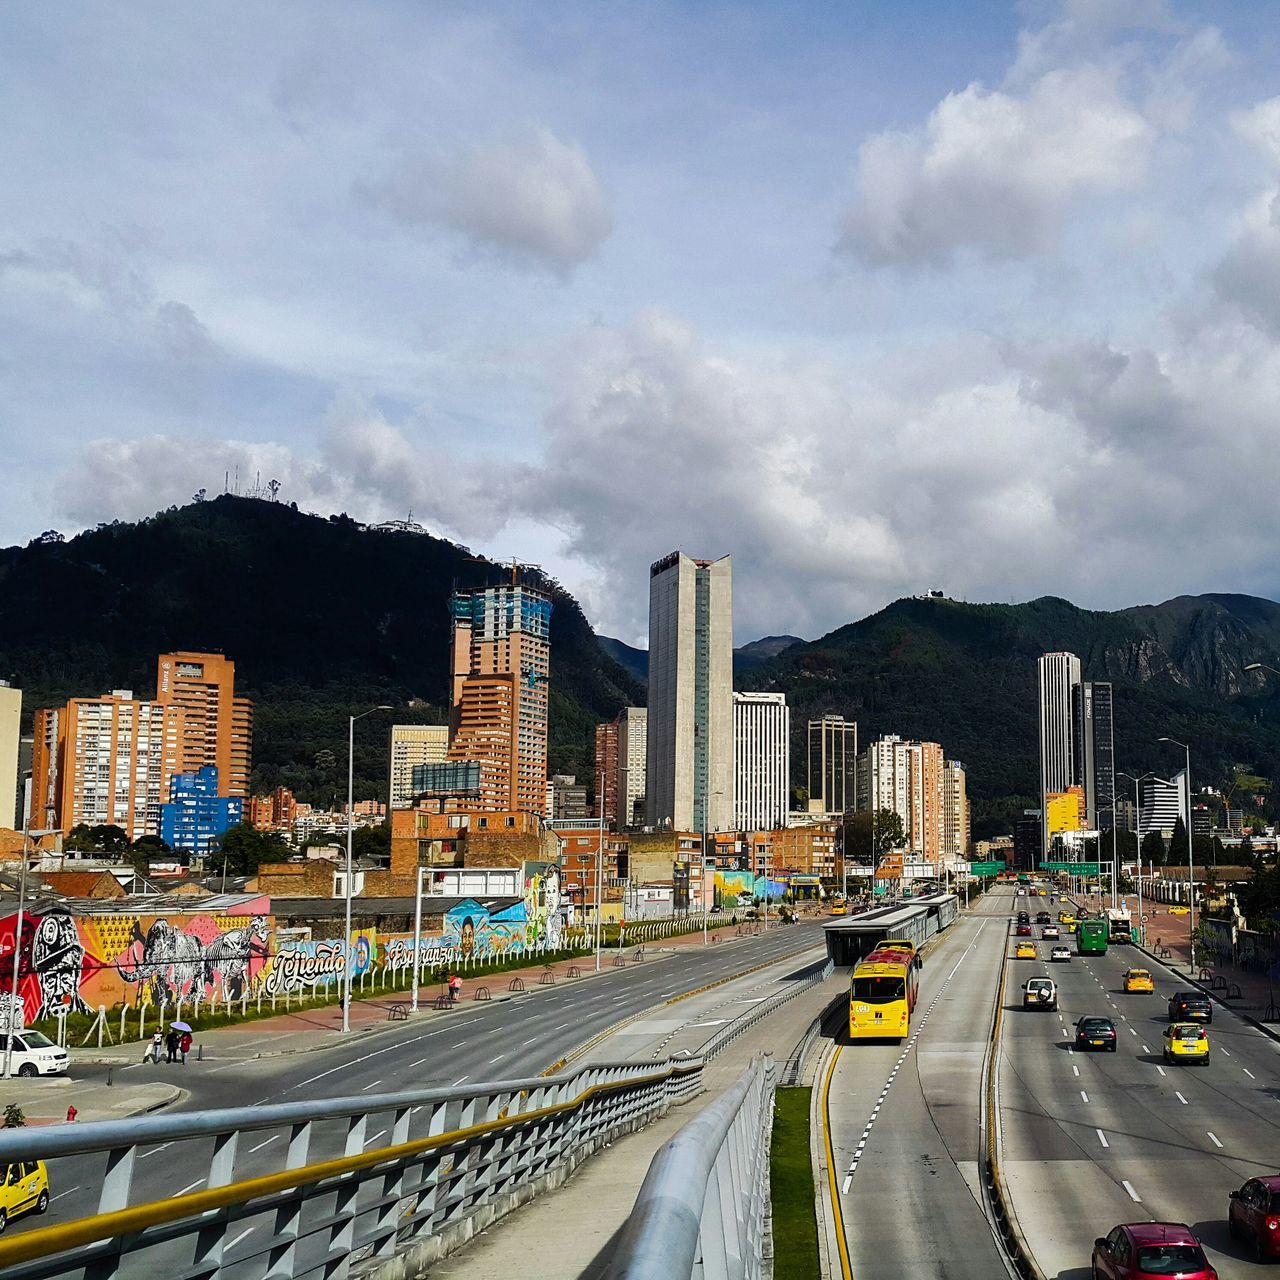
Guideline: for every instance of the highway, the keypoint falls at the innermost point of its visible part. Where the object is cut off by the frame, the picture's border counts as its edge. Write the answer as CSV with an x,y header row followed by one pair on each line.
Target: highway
x,y
1092,1140
474,1044
910,1196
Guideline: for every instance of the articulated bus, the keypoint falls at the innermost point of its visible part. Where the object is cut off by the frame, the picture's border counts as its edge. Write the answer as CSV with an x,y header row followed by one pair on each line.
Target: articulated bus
x,y
883,992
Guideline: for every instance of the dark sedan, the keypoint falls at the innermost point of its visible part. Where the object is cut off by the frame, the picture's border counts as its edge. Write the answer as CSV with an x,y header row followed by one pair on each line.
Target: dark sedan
x,y
1096,1033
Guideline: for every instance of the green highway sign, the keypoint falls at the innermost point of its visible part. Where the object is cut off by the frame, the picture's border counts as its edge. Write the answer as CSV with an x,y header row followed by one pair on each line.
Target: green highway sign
x,y
1074,868
986,868
880,889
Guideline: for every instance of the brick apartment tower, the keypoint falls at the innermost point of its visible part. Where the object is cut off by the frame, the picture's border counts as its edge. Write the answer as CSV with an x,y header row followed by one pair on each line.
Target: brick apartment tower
x,y
501,663
218,726
607,736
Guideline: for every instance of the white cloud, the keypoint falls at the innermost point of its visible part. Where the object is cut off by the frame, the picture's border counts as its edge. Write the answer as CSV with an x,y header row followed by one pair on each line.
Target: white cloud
x,y
526,195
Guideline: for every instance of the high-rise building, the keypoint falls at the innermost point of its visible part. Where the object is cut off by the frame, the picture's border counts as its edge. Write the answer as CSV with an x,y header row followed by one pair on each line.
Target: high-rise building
x,y
833,763
633,746
217,726
1099,778
1061,755
274,812
761,761
196,816
955,810
689,773
906,778
501,663
606,774
10,722
1160,804
105,762
413,744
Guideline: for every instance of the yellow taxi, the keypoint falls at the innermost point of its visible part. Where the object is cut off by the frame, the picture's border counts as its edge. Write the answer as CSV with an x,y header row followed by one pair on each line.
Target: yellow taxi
x,y
25,1190
1186,1041
1179,911
1025,951
1139,980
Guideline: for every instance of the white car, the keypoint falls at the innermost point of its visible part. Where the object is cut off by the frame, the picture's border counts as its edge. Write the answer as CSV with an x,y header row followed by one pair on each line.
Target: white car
x,y
1060,953
34,1054
1040,993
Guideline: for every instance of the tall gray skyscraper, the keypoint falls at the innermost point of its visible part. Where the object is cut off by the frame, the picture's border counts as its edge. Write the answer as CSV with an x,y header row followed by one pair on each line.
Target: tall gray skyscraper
x,y
1077,738
833,763
689,773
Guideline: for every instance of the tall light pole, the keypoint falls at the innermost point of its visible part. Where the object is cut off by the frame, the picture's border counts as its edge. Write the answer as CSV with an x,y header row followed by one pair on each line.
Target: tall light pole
x,y
1137,833
1191,871
346,888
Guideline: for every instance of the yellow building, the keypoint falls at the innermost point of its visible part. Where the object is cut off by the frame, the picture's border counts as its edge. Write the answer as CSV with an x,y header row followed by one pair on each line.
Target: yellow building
x,y
1064,811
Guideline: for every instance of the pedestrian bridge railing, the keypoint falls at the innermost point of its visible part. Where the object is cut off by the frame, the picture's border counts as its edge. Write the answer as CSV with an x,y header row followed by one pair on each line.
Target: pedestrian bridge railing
x,y
701,1211
326,1201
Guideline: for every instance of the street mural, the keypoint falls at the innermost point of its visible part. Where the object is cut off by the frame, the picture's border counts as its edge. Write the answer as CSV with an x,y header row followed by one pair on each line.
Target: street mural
x,y
76,963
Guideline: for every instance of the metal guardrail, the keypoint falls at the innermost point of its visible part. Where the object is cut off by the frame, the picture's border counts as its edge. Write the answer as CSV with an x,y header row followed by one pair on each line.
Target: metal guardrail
x,y
700,1212
455,1160
731,1031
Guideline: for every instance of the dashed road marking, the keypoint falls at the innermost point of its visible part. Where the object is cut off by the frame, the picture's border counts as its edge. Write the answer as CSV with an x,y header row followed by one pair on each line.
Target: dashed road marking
x,y
1227,1052
1214,1139
192,1187
1180,1098
1160,1069
1133,1195
367,1087
1084,1097
1249,1073
231,1244
1076,1069
1102,1137
266,1143
382,1133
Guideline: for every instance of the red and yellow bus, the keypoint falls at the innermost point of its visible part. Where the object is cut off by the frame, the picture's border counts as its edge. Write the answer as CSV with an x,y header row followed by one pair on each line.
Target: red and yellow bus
x,y
882,992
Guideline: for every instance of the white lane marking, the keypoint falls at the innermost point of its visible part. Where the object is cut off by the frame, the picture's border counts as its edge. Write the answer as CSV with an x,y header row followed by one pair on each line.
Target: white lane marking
x,y
1145,1049
248,1231
1160,1069
1084,1096
1133,1195
1102,1137
265,1143
419,1062
1214,1139
499,1058
1249,1073
380,1134
1227,1052
367,1087
192,1187
1132,1032
1180,1098
1076,1069
848,1178
153,1150
60,1194
459,1080
533,1040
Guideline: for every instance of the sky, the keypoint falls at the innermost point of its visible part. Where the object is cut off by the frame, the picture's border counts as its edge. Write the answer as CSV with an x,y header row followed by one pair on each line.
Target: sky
x,y
876,298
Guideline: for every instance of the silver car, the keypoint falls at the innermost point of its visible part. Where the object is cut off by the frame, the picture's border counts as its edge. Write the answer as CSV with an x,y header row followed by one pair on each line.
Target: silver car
x,y
1060,953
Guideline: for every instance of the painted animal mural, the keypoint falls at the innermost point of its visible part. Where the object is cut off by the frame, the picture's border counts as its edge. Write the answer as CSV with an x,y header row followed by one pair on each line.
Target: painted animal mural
x,y
171,963
233,961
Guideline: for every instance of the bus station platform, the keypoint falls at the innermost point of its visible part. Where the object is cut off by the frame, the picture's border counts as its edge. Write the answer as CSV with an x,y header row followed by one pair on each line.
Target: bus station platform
x,y
853,937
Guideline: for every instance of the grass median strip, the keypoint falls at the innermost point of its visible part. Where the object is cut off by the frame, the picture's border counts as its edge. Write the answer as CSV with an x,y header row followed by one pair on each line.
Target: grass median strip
x,y
795,1226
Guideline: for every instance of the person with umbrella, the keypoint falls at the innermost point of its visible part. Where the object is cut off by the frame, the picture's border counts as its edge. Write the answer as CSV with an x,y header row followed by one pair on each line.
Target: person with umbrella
x,y
179,1041
171,1045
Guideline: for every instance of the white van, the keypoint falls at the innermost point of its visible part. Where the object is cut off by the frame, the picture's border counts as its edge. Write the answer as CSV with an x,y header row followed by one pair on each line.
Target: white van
x,y
34,1054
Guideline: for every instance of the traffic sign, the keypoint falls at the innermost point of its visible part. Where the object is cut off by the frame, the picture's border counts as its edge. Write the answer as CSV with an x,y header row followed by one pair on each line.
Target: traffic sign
x,y
1075,868
986,868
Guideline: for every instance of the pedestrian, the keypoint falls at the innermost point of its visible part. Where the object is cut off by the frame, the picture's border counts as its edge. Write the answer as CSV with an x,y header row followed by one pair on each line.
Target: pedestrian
x,y
171,1045
184,1046
154,1045
455,988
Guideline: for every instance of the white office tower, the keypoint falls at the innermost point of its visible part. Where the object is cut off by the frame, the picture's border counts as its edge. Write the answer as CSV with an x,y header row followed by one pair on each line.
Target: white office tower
x,y
761,761
1161,804
412,745
689,775
1060,740
633,747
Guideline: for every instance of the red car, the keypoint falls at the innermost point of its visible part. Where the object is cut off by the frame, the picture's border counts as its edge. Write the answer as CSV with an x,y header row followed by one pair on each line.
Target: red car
x,y
1254,1215
1023,931
1138,1250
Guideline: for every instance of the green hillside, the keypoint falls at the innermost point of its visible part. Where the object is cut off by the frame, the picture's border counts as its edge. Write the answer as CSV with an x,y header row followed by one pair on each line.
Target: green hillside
x,y
322,617
965,675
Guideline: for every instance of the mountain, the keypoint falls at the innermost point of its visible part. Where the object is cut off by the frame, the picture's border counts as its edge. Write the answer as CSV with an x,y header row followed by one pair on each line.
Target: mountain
x,y
745,657
323,618
965,675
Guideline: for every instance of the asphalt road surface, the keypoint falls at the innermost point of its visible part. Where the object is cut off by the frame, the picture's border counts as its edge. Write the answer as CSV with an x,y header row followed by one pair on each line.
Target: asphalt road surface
x,y
910,1199
1096,1139
475,1044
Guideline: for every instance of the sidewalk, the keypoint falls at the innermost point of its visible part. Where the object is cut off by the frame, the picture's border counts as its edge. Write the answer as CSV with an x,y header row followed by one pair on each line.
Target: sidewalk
x,y
46,1101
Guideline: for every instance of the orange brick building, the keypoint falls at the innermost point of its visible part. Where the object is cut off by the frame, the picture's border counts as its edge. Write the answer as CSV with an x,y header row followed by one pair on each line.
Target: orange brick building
x,y
218,726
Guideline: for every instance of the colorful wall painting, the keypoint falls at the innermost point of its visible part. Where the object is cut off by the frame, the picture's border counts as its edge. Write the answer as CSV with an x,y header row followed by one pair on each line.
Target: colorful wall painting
x,y
733,885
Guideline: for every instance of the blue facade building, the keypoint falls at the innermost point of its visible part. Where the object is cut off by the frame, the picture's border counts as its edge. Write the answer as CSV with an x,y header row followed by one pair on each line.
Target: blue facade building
x,y
196,815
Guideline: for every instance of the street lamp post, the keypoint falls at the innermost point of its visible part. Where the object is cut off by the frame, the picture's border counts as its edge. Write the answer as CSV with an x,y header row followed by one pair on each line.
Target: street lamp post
x,y
1191,871
346,888
1137,835
417,937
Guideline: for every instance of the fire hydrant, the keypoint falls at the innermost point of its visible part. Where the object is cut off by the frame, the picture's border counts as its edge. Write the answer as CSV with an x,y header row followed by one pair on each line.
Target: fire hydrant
x,y
71,1114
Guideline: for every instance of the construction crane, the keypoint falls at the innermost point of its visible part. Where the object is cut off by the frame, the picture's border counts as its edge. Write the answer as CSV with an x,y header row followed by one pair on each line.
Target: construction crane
x,y
516,565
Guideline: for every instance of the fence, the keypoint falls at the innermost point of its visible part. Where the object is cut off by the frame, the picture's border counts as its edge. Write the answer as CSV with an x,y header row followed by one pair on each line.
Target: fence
x,y
744,1021
454,1161
701,1210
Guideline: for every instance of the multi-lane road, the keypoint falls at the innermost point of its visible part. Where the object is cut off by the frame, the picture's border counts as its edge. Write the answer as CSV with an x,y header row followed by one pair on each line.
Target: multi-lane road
x,y
1095,1139
474,1044
1087,1140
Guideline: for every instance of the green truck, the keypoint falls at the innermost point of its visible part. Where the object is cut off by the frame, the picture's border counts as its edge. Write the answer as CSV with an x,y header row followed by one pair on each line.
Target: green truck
x,y
1091,937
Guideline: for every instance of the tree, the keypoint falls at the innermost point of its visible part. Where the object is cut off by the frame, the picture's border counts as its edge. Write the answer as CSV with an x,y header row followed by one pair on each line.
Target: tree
x,y
243,848
1153,849
868,837
373,844
103,838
